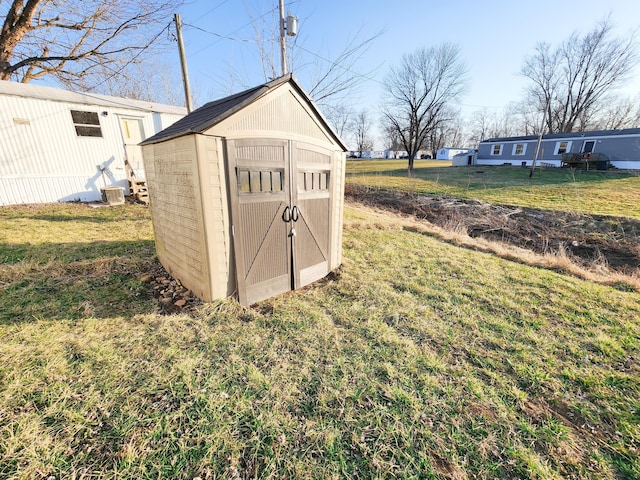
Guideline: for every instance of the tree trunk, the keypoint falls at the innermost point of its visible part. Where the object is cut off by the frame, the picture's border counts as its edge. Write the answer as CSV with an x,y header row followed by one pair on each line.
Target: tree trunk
x,y
16,25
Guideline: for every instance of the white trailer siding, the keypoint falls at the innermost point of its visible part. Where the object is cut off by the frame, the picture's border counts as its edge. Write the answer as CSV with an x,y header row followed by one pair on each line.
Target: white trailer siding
x,y
42,159
447,153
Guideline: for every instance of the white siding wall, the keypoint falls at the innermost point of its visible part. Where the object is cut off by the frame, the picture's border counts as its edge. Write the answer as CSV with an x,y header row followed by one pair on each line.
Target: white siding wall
x,y
43,160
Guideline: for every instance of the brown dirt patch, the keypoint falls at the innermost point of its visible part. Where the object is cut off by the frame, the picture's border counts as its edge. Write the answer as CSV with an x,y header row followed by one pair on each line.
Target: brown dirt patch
x,y
590,241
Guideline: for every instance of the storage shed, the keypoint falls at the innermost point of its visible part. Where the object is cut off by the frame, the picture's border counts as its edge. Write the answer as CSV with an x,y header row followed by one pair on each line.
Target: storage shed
x,y
247,194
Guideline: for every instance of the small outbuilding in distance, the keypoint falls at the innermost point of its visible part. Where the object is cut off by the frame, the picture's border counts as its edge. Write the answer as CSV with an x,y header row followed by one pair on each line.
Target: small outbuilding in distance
x,y
247,194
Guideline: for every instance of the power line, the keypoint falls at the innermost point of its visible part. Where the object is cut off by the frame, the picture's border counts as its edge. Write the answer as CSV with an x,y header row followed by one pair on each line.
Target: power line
x,y
214,8
222,37
228,36
382,83
339,66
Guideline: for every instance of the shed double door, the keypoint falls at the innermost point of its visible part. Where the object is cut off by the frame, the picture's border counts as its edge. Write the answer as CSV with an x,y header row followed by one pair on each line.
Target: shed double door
x,y
280,206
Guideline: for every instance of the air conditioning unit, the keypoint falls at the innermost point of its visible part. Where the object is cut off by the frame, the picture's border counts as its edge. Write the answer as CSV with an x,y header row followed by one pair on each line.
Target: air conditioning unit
x,y
113,195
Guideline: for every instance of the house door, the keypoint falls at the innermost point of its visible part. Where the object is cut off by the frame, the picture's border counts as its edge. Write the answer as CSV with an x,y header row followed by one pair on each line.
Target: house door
x,y
280,215
132,134
588,146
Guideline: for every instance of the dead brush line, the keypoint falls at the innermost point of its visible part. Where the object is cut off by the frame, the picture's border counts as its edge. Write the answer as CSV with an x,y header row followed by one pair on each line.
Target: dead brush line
x,y
558,261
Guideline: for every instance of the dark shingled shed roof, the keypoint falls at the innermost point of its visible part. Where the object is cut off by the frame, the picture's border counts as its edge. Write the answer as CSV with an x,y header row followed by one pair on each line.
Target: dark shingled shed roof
x,y
214,112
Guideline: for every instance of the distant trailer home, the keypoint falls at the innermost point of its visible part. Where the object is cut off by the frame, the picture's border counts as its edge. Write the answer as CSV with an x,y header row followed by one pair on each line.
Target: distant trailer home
x,y
465,159
617,148
61,146
447,153
373,154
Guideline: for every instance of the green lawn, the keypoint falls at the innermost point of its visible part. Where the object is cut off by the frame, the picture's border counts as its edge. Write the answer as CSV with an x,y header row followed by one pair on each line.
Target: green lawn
x,y
593,192
421,359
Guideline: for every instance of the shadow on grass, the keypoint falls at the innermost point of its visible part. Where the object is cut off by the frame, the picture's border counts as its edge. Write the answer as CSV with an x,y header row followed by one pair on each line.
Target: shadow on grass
x,y
77,280
75,212
75,218
74,252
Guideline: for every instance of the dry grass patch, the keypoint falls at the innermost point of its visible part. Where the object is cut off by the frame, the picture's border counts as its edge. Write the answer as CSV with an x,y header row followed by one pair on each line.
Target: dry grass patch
x,y
73,261
419,359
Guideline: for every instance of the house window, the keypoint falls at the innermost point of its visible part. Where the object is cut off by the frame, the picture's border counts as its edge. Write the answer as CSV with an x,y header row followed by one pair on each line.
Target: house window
x,y
562,147
496,150
87,124
519,149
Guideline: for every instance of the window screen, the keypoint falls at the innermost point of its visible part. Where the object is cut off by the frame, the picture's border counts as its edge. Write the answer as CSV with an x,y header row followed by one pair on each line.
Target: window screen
x,y
87,124
519,149
562,147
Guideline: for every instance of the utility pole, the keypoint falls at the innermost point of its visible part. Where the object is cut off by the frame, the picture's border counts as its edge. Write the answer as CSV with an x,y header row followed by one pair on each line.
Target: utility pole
x,y
535,155
183,63
283,42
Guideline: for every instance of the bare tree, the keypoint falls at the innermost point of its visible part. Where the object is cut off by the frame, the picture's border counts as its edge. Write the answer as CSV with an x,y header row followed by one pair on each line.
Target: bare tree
x,y
266,29
517,118
448,132
164,86
618,112
340,116
341,75
569,82
362,132
391,137
528,119
329,78
418,92
480,124
73,39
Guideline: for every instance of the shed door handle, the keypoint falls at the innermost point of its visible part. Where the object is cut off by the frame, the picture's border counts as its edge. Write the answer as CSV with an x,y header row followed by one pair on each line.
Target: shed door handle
x,y
295,213
286,214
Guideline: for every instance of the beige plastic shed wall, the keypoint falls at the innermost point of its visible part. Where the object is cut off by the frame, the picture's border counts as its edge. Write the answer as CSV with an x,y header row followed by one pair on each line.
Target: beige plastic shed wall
x,y
190,213
187,179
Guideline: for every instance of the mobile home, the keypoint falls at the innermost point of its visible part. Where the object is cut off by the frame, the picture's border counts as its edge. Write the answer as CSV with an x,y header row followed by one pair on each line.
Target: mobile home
x,y
620,148
58,145
447,153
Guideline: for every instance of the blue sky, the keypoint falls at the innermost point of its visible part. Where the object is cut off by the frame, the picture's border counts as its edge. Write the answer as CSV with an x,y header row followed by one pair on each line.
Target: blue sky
x,y
494,37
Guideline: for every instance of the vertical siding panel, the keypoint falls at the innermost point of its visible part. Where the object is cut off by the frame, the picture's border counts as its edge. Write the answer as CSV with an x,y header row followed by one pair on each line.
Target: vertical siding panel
x,y
337,209
174,192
